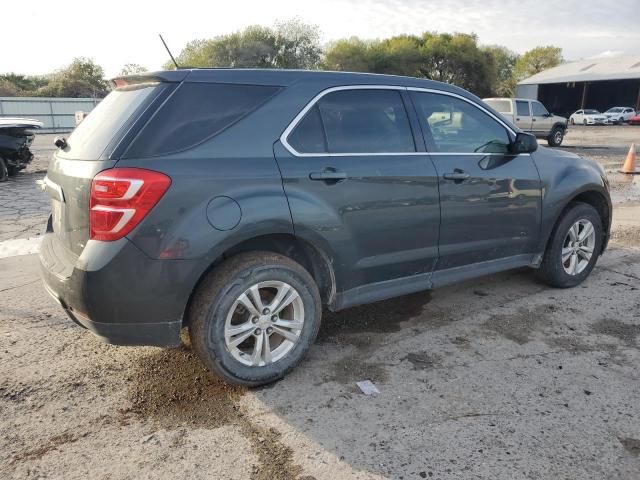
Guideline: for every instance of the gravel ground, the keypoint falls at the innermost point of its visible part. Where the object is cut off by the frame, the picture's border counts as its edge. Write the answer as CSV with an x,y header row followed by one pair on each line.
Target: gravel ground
x,y
497,378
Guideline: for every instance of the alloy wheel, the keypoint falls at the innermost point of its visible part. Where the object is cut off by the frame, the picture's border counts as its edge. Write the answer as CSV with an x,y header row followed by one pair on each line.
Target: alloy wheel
x,y
264,323
578,246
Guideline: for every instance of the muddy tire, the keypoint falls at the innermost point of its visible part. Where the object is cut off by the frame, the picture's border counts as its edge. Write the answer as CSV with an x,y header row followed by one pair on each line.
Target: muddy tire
x,y
4,172
574,247
556,137
254,317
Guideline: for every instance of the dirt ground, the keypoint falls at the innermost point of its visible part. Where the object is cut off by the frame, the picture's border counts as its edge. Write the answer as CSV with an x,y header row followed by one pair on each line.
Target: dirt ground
x,y
496,378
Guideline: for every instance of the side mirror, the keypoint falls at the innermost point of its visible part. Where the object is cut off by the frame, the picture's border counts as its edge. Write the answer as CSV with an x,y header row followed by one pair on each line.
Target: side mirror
x,y
524,143
60,142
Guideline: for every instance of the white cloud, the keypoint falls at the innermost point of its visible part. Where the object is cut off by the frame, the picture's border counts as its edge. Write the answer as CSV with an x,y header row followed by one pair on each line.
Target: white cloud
x,y
119,31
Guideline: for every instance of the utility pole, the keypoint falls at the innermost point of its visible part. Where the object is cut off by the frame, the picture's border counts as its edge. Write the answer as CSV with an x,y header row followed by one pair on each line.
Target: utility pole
x,y
585,87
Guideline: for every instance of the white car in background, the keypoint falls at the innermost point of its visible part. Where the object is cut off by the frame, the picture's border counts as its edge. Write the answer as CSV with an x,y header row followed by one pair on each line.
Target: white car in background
x,y
588,117
620,114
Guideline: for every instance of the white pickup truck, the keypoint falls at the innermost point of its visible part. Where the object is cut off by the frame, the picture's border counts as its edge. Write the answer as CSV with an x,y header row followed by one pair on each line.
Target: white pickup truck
x,y
532,117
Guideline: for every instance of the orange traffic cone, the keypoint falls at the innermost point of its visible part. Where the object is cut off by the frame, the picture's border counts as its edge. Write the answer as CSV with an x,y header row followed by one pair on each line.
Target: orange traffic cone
x,y
629,166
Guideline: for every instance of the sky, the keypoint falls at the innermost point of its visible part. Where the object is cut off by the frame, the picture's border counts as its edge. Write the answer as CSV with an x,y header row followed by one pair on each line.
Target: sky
x,y
43,35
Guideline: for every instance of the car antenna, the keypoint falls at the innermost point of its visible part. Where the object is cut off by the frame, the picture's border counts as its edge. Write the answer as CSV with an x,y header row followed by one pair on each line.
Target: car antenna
x,y
170,54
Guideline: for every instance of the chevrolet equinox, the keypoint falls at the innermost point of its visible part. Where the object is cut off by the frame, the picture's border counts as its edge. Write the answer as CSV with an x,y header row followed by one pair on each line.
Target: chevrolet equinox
x,y
238,203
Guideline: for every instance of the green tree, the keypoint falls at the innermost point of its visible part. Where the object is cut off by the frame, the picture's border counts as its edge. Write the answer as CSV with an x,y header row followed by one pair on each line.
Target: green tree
x,y
22,85
8,88
456,59
132,69
290,44
82,78
353,55
452,58
504,60
537,60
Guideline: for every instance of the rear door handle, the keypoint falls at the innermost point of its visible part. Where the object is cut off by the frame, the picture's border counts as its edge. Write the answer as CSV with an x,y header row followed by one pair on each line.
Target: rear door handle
x,y
328,175
458,175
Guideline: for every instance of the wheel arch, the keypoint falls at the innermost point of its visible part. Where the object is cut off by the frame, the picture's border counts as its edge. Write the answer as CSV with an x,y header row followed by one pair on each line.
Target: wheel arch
x,y
591,197
311,257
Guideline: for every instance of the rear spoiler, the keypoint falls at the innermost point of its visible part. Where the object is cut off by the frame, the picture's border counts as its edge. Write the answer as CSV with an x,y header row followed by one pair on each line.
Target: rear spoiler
x,y
168,76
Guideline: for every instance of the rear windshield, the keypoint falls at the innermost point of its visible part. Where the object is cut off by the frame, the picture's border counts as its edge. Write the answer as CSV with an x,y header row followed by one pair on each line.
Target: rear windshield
x,y
502,106
195,113
89,140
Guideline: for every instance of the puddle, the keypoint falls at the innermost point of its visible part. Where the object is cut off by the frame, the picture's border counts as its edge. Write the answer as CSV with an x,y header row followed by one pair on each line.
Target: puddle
x,y
379,317
518,327
625,332
631,445
422,360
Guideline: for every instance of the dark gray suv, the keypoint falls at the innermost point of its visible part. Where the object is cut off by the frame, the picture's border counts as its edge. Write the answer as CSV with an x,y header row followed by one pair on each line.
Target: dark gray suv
x,y
238,203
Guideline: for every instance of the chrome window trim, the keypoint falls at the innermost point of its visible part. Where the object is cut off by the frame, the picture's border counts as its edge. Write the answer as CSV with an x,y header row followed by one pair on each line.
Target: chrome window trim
x,y
314,100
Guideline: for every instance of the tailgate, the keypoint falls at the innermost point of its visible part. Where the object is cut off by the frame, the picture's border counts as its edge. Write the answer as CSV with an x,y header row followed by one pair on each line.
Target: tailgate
x,y
68,184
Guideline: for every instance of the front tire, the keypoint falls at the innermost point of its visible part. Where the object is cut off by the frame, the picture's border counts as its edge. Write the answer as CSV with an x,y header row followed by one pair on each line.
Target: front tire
x,y
574,247
556,137
253,318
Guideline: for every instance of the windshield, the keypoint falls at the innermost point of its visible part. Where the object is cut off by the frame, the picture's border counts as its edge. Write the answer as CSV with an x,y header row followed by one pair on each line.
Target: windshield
x,y
89,140
614,110
591,112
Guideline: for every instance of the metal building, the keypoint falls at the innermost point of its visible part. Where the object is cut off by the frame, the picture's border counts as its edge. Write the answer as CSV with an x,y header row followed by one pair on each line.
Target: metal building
x,y
599,83
57,114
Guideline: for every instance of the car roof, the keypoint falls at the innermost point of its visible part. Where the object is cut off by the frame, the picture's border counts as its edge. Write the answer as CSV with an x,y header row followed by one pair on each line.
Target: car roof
x,y
286,77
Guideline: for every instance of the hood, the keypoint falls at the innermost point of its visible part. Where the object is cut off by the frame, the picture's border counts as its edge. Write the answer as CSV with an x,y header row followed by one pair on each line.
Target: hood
x,y
571,160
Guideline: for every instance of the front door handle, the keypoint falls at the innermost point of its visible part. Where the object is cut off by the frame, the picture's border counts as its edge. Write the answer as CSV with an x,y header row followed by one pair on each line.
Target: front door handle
x,y
328,175
457,175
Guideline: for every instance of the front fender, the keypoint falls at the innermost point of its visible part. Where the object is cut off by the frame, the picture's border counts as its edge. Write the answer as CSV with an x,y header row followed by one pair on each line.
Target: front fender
x,y
566,177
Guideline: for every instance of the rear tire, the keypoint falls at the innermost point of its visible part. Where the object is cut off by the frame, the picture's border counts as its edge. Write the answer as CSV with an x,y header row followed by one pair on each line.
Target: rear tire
x,y
572,121
558,268
4,172
222,299
556,137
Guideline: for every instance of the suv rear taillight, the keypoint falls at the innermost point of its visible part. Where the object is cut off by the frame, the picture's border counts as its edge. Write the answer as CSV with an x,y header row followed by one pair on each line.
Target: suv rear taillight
x,y
121,198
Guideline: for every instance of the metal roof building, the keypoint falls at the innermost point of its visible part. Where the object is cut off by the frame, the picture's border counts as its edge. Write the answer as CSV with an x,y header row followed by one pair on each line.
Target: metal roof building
x,y
598,83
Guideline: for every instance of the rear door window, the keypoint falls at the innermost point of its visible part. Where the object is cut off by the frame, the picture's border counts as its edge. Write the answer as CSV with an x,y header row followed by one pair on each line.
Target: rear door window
x,y
366,121
355,121
308,136
195,113
523,108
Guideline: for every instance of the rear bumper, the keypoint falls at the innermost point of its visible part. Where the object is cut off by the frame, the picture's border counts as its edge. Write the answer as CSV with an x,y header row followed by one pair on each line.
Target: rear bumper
x,y
117,292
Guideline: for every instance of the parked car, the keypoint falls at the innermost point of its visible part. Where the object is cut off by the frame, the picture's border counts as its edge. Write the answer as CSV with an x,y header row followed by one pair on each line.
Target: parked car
x,y
16,136
635,120
589,117
238,203
531,116
620,114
